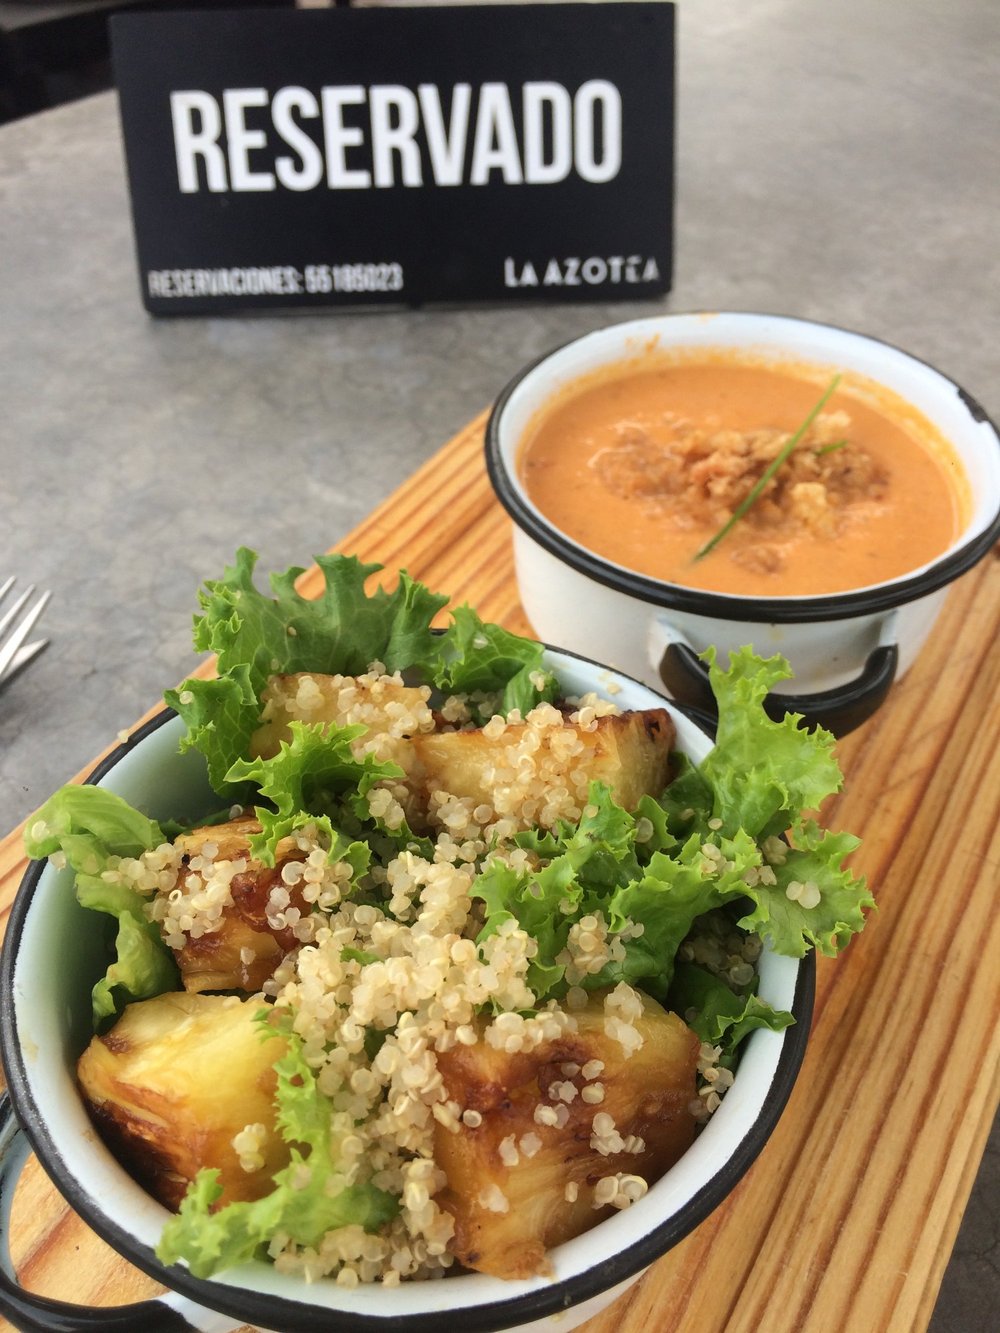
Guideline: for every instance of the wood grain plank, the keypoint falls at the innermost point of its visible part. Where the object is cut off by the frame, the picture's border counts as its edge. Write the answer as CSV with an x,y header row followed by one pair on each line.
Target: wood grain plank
x,y
848,1217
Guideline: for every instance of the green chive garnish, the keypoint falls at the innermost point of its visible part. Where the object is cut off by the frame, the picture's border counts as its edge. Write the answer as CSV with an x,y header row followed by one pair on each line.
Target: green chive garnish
x,y
769,472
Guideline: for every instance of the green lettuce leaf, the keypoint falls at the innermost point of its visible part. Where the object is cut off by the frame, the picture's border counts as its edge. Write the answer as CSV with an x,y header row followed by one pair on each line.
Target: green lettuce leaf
x,y
343,631
700,848
78,818
221,716
308,781
656,835
687,804
599,850
255,636
94,828
316,779
762,774
717,1013
585,863
672,892
473,656
763,777
310,1197
816,857
594,866
535,904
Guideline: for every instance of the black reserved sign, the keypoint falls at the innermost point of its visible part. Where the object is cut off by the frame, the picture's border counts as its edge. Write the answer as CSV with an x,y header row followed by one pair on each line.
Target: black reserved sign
x,y
334,157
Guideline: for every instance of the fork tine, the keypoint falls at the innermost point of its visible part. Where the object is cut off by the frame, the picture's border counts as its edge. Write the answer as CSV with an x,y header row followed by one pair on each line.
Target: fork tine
x,y
10,649
5,589
24,655
11,612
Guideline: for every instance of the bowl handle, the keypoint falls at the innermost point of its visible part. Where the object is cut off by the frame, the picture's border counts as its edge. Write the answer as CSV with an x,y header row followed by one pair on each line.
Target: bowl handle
x,y
839,710
37,1314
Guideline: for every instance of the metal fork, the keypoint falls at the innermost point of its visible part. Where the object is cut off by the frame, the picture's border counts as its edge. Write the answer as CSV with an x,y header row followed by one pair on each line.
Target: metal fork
x,y
15,654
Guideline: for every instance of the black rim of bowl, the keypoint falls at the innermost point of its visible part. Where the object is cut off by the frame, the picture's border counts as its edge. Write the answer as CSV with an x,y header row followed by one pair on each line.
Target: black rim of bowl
x,y
698,601
301,1317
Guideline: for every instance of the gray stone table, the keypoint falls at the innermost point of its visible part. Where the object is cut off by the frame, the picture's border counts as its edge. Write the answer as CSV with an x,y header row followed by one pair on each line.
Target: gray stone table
x,y
835,161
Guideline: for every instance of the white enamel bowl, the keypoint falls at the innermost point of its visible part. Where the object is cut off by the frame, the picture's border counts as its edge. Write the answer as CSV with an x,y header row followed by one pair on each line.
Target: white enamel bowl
x,y
845,648
53,952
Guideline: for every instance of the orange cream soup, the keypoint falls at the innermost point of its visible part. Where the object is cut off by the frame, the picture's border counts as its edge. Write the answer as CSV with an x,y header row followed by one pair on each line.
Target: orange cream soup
x,y
916,500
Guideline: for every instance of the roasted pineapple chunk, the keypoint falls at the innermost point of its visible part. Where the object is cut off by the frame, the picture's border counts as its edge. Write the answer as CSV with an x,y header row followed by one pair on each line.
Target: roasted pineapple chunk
x,y
517,1184
239,949
391,711
235,957
229,841
172,1083
539,771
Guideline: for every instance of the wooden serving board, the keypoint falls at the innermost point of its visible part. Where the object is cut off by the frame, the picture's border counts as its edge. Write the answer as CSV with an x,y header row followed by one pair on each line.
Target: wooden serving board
x,y
847,1219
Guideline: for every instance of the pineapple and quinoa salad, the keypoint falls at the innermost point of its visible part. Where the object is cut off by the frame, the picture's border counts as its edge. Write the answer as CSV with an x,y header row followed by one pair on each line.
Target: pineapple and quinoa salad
x,y
459,965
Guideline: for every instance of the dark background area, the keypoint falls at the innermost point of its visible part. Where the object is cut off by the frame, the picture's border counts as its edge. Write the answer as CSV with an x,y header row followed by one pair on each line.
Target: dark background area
x,y
53,53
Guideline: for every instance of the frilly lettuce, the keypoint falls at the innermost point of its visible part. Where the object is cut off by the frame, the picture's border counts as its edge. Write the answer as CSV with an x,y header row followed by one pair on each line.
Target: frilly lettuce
x,y
761,775
94,828
313,777
344,631
717,1013
816,855
734,829
473,657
